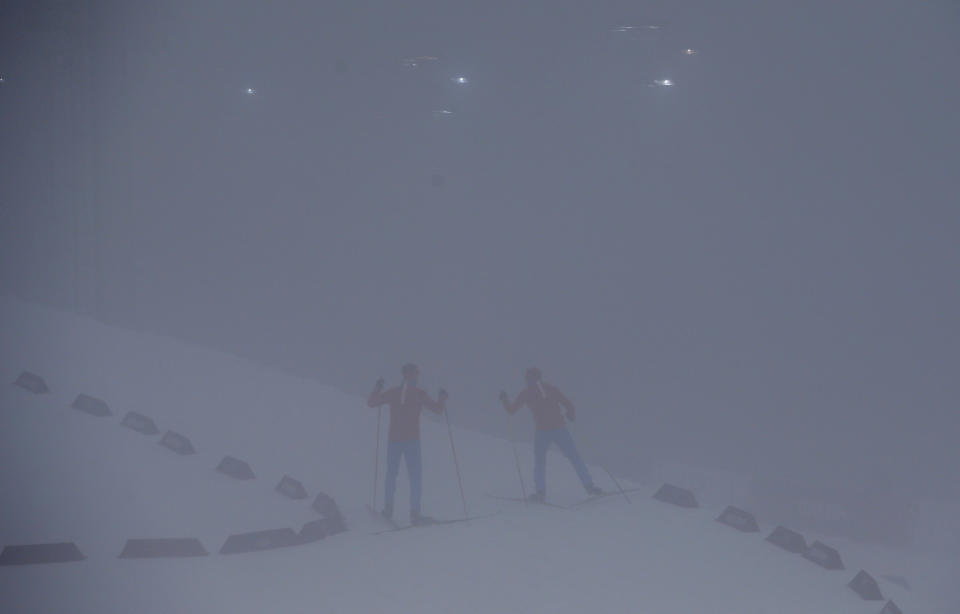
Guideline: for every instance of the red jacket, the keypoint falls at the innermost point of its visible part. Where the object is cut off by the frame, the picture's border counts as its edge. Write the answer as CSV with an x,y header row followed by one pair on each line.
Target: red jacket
x,y
405,411
546,403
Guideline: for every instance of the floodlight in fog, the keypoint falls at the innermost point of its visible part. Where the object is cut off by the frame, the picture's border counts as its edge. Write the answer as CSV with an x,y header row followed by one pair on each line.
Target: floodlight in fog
x,y
689,52
460,80
250,91
631,28
415,62
443,112
662,82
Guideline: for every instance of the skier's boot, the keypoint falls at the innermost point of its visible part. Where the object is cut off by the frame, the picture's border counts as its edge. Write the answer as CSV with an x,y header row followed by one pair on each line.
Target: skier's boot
x,y
537,497
594,491
418,520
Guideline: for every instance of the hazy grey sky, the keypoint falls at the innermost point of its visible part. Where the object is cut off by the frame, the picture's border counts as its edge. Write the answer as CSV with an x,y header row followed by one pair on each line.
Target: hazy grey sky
x,y
754,267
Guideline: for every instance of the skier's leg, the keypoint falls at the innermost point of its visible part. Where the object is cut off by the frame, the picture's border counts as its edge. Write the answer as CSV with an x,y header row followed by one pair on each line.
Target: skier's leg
x,y
415,471
394,450
541,442
565,442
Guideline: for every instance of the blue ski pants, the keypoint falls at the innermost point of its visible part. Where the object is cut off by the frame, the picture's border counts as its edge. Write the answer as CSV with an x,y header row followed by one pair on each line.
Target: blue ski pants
x,y
410,450
561,437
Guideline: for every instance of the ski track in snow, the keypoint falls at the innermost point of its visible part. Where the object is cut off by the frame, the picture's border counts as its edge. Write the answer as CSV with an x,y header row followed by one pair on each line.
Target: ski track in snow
x,y
68,476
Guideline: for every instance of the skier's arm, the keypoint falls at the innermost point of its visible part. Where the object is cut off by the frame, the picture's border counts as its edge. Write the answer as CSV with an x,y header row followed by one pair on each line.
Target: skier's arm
x,y
567,405
377,397
437,406
511,407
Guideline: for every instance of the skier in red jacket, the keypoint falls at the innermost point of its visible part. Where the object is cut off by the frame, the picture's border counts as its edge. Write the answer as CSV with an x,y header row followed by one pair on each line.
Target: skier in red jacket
x,y
406,401
546,402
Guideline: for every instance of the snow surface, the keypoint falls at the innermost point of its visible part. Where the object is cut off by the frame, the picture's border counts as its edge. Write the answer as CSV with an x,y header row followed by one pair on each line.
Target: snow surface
x,y
69,476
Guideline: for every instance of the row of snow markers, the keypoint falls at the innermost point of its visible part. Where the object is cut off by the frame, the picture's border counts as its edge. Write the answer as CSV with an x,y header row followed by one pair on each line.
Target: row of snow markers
x,y
328,524
181,444
331,521
863,584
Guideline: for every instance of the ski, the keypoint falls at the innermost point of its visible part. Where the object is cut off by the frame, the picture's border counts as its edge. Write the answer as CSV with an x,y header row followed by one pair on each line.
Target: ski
x,y
387,521
522,500
612,493
435,523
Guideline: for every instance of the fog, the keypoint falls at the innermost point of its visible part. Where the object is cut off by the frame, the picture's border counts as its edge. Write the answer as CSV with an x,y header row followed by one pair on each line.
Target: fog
x,y
742,256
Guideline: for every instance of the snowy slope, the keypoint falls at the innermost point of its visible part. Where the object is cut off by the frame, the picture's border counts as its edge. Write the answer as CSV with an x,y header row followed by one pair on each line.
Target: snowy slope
x,y
71,476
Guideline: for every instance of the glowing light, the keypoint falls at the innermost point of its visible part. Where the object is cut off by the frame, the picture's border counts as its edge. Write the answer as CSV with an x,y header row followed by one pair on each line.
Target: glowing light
x,y
460,80
689,52
662,83
420,58
443,112
415,62
631,28
250,91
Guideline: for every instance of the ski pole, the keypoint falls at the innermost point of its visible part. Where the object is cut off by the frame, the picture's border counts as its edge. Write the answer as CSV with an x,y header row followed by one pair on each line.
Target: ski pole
x,y
376,458
456,463
615,482
620,488
516,457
